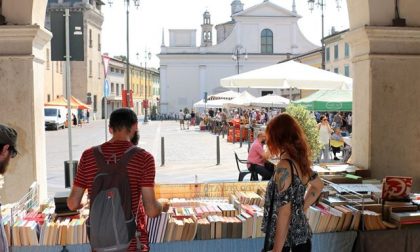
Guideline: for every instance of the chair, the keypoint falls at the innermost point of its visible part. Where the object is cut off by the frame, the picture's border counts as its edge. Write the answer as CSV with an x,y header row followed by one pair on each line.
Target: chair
x,y
243,172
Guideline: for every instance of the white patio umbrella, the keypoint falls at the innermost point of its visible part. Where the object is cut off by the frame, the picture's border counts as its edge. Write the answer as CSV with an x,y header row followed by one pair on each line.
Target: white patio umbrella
x,y
290,74
244,99
270,100
227,95
210,104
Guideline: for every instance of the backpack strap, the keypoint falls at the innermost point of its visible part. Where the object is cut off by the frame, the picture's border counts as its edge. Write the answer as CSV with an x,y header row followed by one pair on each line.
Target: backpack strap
x,y
100,159
128,154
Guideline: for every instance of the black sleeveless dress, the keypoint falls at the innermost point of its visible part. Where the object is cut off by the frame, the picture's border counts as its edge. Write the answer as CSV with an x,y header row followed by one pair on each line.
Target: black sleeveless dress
x,y
299,230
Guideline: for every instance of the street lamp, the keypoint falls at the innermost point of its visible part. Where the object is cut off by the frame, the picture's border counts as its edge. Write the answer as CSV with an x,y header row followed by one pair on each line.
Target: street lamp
x,y
147,56
321,5
137,4
237,53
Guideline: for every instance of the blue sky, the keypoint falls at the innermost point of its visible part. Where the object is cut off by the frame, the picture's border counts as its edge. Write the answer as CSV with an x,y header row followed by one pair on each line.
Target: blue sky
x,y
147,21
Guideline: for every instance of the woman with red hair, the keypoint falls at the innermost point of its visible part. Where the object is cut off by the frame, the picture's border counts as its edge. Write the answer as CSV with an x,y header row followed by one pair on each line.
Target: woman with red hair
x,y
292,188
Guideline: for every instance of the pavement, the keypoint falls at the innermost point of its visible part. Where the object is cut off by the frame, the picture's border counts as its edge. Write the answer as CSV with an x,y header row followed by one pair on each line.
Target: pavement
x,y
190,155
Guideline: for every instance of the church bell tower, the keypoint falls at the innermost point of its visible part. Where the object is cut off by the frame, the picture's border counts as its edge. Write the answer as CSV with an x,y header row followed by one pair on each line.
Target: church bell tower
x,y
206,30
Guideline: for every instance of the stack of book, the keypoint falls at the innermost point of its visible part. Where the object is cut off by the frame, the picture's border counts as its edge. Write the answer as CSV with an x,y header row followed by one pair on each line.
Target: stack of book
x,y
404,218
204,219
60,232
324,218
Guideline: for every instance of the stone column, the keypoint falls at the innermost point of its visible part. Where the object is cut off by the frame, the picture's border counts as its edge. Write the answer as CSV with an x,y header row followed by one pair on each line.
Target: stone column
x,y
22,94
386,60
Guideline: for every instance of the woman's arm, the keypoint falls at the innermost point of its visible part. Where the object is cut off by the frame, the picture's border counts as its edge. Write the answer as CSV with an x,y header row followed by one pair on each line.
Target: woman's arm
x,y
283,180
282,226
312,192
329,128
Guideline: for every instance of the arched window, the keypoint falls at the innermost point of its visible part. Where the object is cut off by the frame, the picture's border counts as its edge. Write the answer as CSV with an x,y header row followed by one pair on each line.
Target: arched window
x,y
267,41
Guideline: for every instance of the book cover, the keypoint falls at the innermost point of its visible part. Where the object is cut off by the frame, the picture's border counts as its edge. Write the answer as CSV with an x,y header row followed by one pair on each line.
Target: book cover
x,y
396,188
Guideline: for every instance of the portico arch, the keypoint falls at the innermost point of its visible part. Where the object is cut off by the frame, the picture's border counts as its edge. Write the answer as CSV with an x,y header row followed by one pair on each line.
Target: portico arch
x,y
386,60
22,68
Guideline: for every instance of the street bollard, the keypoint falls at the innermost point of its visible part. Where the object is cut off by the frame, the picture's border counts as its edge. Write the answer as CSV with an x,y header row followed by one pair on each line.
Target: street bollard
x,y
240,137
162,151
218,150
70,170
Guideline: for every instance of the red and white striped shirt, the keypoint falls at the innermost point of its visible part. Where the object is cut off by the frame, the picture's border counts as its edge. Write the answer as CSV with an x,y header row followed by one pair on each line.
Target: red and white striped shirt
x,y
141,173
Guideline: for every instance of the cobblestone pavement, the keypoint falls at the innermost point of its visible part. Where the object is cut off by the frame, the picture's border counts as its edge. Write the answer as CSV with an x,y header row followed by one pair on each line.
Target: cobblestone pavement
x,y
187,152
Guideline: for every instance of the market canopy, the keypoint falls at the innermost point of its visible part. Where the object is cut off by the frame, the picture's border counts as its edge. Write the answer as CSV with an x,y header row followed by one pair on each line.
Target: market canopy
x,y
80,104
244,99
270,100
210,104
227,95
328,100
290,74
61,101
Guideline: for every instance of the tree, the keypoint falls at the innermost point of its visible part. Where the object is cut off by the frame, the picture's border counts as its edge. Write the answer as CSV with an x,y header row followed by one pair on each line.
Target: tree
x,y
309,126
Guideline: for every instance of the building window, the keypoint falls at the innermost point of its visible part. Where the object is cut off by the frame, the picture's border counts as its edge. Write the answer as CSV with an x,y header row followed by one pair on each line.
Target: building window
x,y
122,71
347,70
112,87
118,89
90,68
267,41
346,50
336,52
327,54
95,103
99,42
336,70
112,69
90,38
47,65
122,87
48,98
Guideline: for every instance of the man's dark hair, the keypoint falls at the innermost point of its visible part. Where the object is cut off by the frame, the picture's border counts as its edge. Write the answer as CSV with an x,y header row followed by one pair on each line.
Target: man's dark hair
x,y
122,118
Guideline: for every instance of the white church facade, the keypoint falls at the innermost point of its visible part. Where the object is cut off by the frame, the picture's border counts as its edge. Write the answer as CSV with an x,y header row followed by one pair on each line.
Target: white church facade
x,y
255,37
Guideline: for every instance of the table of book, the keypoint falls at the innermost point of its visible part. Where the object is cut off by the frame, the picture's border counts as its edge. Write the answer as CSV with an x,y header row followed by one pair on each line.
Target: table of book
x,y
405,239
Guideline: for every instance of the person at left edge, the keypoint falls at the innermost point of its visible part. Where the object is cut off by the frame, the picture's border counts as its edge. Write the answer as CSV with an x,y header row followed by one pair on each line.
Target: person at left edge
x,y
8,139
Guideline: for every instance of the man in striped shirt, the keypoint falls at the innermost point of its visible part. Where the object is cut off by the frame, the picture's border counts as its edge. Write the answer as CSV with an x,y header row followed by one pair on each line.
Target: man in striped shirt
x,y
123,126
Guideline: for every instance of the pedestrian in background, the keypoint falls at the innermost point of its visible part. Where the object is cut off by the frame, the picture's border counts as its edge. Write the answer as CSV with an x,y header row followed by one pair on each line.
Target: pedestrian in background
x,y
192,118
181,116
325,132
336,142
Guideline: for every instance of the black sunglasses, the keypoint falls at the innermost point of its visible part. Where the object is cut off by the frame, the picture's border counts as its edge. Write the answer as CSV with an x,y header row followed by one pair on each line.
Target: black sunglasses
x,y
13,152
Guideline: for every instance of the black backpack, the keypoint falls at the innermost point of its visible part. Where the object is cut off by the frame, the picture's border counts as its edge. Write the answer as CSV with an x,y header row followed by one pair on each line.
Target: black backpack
x,y
111,224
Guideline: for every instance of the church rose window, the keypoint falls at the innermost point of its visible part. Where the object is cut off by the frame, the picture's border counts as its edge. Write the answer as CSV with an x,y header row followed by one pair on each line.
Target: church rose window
x,y
267,41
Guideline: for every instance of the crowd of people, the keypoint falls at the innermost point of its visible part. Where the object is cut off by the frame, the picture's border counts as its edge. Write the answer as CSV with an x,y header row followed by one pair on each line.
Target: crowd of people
x,y
332,128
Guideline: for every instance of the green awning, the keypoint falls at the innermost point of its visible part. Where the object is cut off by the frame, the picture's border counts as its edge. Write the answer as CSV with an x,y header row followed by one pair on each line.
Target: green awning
x,y
328,100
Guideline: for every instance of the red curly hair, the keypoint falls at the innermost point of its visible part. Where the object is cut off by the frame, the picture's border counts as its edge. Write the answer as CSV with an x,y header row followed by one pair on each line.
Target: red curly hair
x,y
285,134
